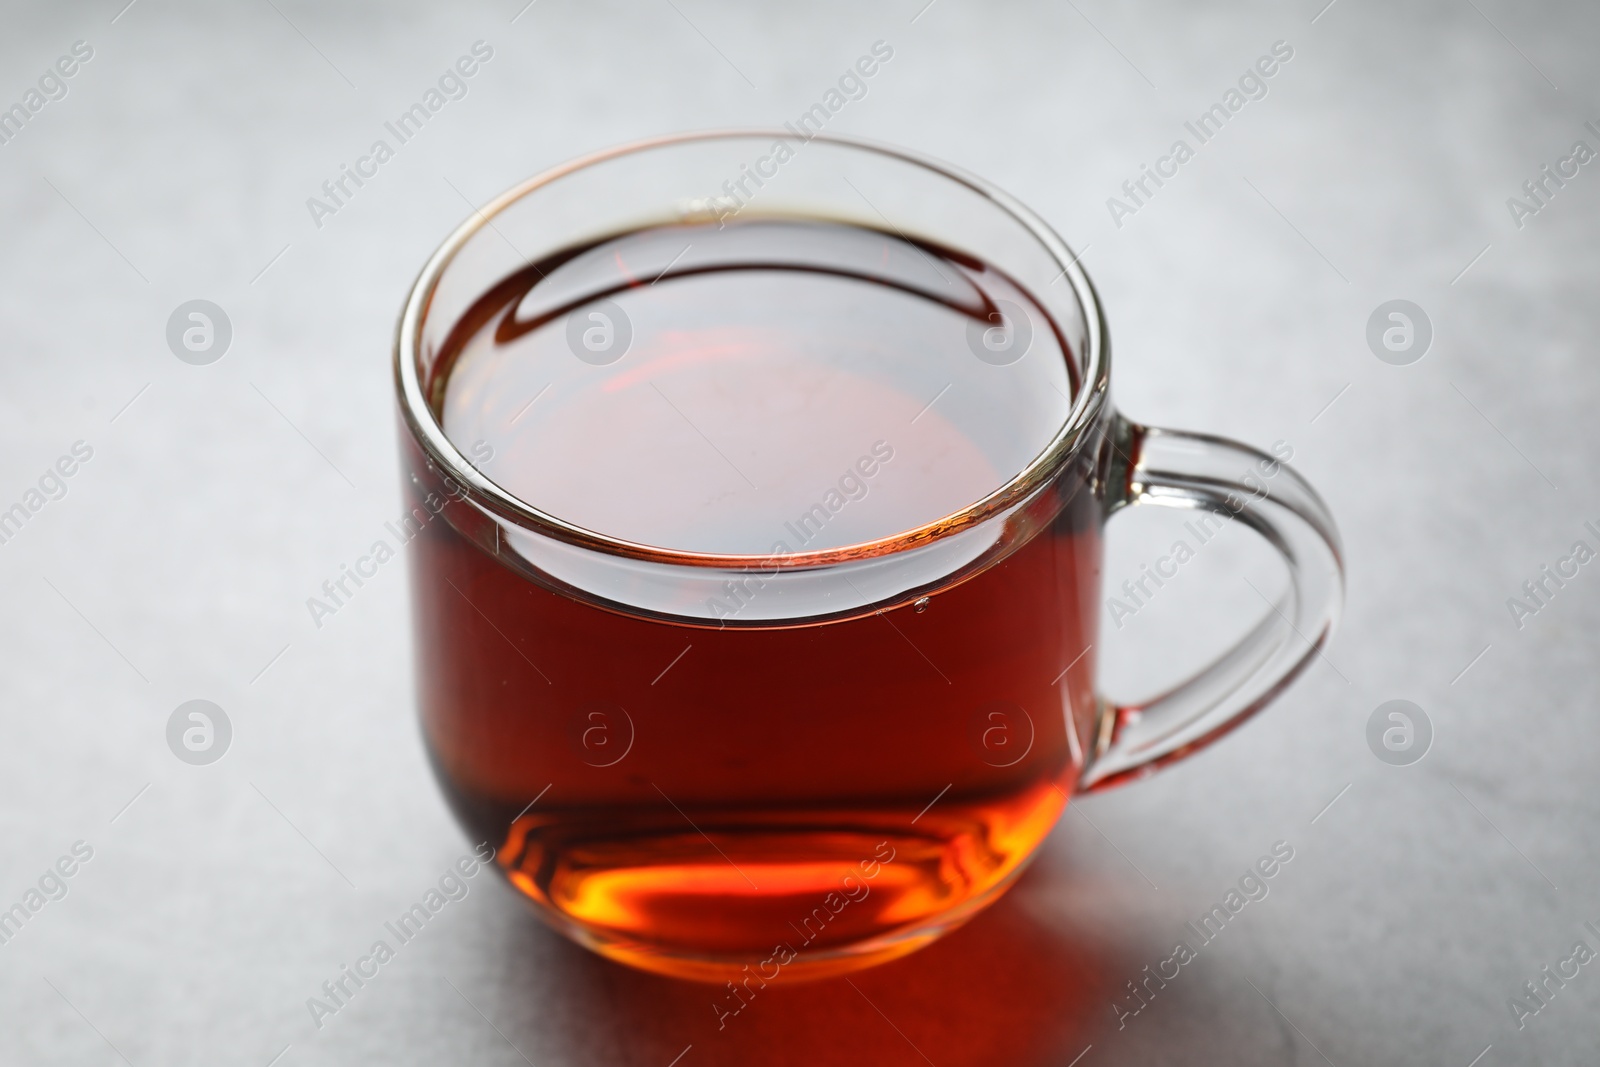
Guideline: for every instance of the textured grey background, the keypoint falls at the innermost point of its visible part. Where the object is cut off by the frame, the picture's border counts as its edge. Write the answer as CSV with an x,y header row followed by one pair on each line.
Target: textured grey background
x,y
178,564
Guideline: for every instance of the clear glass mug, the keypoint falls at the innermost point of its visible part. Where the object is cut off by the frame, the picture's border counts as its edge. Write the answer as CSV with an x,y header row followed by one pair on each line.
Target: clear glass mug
x,y
739,763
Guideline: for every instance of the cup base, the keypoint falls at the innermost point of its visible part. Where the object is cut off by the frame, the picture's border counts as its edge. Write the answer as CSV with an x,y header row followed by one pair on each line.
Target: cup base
x,y
788,967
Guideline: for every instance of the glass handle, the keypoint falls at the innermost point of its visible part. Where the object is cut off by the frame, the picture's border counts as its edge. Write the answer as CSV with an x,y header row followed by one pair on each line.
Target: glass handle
x,y
1171,468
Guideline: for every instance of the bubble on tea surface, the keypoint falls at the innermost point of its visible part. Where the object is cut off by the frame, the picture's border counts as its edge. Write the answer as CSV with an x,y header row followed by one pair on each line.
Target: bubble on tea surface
x,y
1002,733
599,333
1399,732
1004,338
1399,332
199,332
199,732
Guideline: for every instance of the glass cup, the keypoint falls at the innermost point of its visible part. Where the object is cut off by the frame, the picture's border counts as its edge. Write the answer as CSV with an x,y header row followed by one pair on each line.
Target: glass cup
x,y
735,765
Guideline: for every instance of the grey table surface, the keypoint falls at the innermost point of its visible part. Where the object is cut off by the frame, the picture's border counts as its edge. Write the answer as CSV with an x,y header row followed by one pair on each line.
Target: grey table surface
x,y
177,563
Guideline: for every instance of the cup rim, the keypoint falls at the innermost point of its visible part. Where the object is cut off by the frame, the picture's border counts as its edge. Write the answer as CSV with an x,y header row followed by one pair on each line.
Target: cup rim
x,y
442,454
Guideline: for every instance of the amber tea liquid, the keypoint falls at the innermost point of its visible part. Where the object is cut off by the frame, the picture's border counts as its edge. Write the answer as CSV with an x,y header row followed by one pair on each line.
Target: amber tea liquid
x,y
733,791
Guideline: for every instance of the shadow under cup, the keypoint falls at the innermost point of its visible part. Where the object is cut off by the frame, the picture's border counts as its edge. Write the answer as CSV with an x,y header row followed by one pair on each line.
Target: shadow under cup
x,y
756,488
